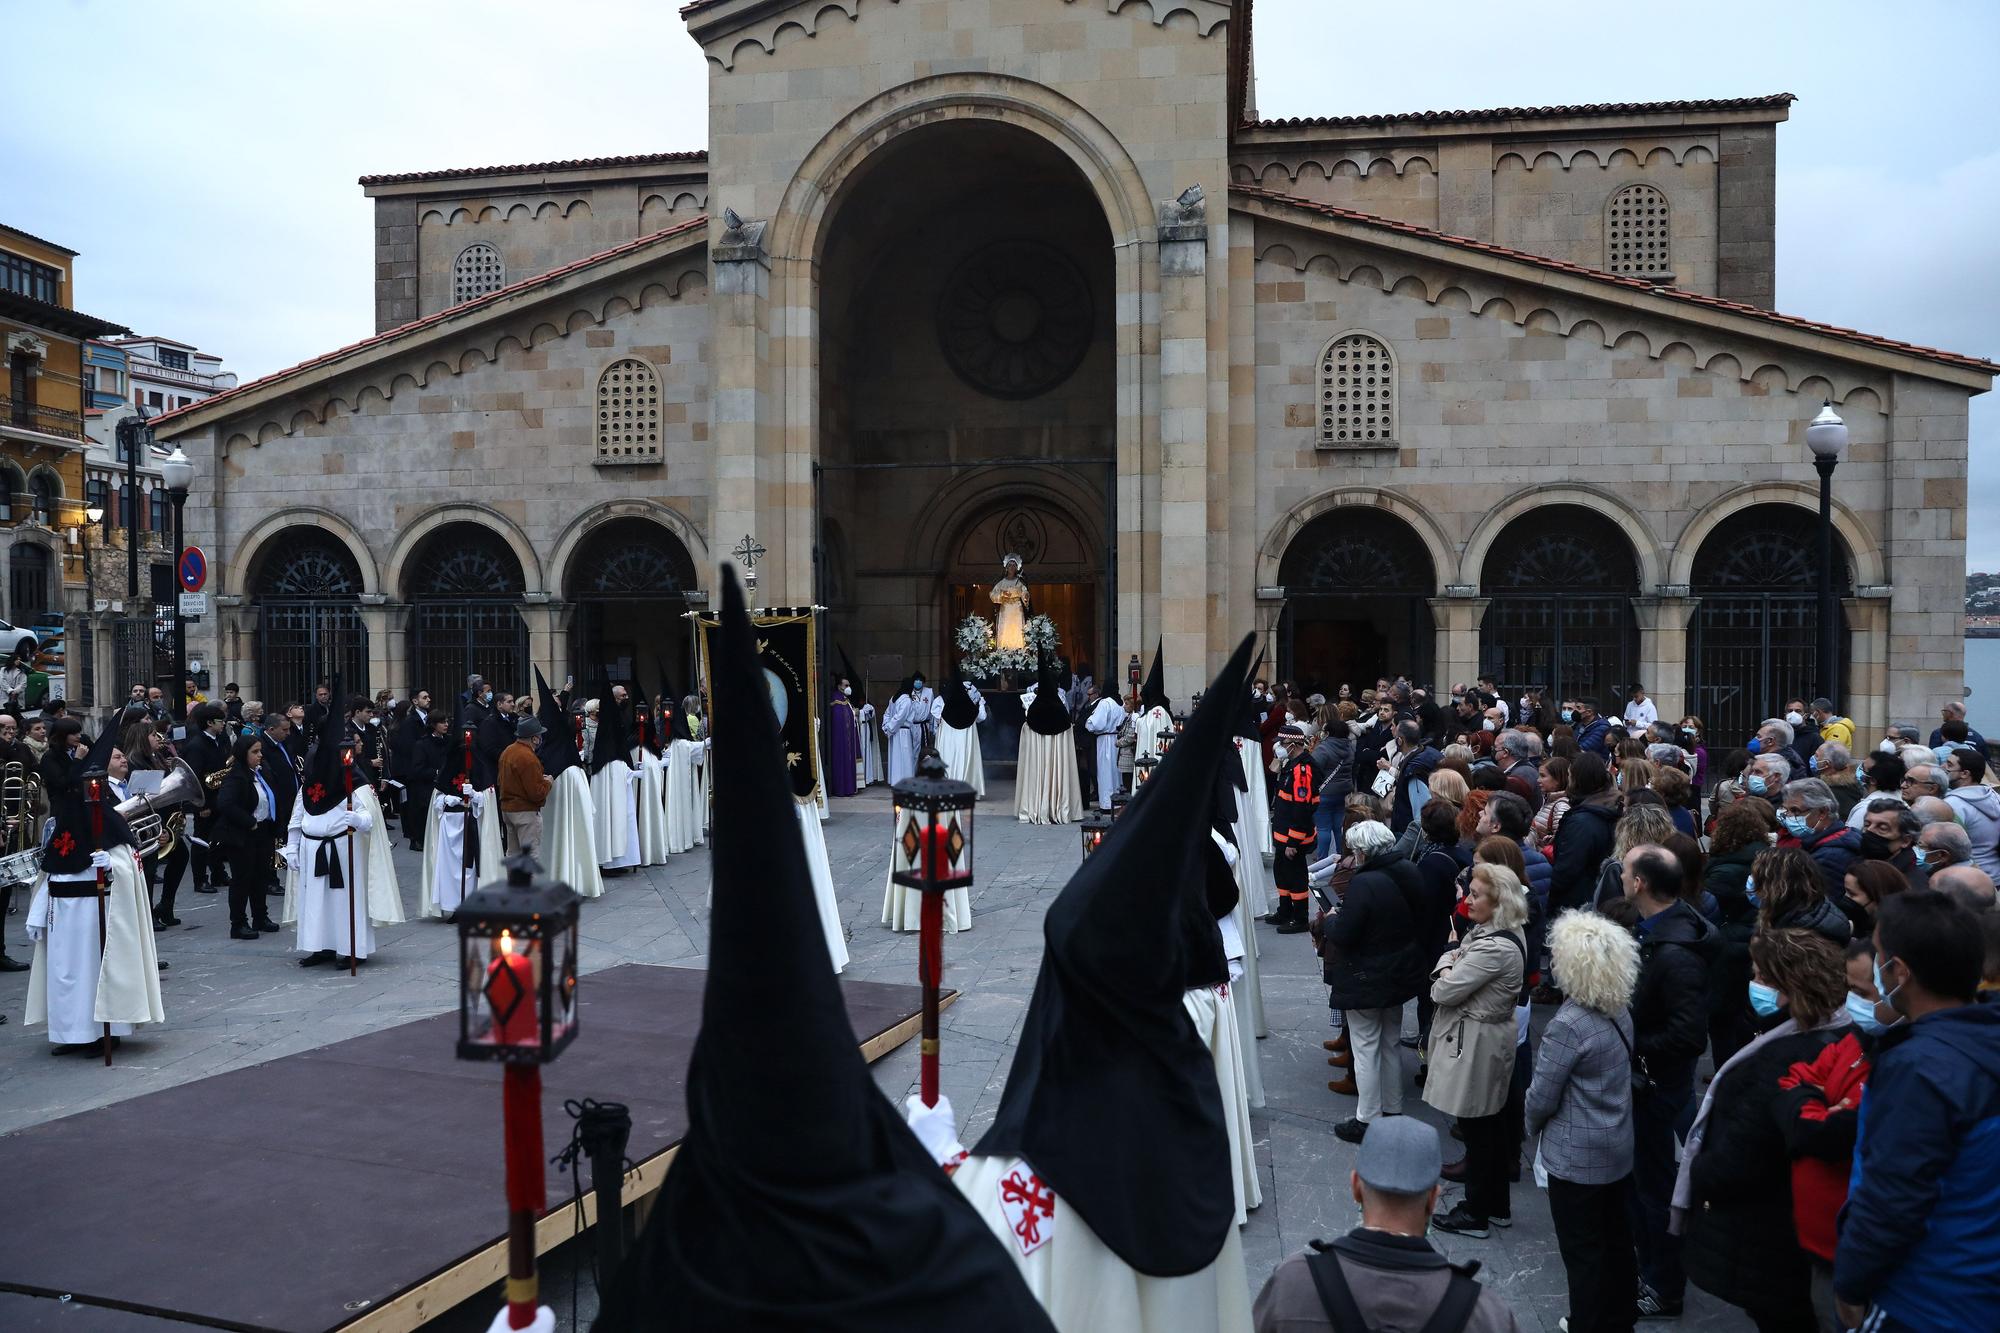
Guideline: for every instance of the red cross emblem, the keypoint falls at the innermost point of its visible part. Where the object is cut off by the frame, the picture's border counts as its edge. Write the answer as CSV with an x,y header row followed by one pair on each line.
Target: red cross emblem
x,y
315,793
1028,1203
64,844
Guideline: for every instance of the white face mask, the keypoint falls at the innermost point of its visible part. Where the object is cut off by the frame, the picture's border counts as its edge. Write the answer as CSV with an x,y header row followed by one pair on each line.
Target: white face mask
x,y
1489,725
1887,747
1796,719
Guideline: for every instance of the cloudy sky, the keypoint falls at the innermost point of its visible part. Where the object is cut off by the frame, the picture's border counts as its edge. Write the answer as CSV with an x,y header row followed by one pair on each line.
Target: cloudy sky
x,y
203,157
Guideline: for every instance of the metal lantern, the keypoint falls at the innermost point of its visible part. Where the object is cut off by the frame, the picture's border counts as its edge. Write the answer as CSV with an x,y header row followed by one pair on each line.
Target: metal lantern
x,y
932,854
517,968
1118,799
1142,770
1094,828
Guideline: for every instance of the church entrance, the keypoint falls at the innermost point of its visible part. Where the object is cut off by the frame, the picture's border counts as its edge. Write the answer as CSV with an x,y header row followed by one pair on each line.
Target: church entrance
x,y
464,590
1561,579
307,589
967,401
628,584
1356,586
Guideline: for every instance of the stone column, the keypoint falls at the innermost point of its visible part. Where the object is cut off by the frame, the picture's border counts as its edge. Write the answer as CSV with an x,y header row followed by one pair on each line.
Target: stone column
x,y
1458,615
1182,533
737,325
234,656
1866,676
388,664
1663,647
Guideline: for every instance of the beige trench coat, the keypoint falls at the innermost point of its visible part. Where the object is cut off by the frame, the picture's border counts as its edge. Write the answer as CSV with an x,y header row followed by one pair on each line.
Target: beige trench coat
x,y
1472,1035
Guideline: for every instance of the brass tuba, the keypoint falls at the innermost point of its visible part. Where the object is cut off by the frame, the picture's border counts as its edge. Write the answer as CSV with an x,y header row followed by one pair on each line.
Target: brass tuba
x,y
149,813
16,806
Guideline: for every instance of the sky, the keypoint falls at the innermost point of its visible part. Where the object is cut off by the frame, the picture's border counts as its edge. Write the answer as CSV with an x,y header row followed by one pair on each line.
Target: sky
x,y
202,158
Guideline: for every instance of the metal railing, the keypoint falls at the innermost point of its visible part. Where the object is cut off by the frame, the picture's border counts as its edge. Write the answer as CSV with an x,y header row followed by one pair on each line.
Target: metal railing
x,y
48,420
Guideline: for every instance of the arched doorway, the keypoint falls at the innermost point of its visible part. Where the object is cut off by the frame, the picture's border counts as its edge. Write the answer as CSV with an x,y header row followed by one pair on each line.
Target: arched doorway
x,y
28,566
966,353
629,582
1756,627
1356,582
307,590
464,587
1561,579
1060,561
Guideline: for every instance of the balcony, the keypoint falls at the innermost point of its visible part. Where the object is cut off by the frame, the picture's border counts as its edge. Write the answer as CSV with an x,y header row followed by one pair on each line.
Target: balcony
x,y
141,369
34,423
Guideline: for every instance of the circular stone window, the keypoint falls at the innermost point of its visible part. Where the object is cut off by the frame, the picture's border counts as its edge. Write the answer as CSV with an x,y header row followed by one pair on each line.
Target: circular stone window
x,y
1015,319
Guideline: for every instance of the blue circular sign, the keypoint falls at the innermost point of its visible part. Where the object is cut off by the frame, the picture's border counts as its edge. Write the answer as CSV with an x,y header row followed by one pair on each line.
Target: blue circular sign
x,y
193,569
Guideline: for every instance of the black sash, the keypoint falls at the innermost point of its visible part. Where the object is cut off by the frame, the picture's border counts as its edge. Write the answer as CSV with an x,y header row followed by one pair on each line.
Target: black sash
x,y
73,888
326,861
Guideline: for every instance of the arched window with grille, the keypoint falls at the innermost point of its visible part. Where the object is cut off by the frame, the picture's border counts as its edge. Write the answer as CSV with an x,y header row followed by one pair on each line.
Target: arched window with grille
x,y
1357,393
628,413
45,488
1561,579
1356,579
1638,230
464,587
477,271
307,590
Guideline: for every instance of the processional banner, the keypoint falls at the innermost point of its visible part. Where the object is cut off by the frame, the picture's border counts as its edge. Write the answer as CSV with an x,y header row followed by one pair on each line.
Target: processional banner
x,y
787,648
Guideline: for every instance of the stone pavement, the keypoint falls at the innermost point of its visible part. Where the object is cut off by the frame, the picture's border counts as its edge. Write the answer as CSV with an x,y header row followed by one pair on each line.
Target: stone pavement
x,y
232,1004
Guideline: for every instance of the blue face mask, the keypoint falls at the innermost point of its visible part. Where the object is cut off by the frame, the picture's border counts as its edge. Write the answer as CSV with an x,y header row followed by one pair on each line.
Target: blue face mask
x,y
1763,999
1812,763
1794,824
1923,856
1886,991
1756,744
1569,715
1750,889
1754,784
1861,1012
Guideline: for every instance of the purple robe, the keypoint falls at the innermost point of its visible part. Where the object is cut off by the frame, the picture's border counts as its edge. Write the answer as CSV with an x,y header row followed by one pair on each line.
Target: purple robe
x,y
843,739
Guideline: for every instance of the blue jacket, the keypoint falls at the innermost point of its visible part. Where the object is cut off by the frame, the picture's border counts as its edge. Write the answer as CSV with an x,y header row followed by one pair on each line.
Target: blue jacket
x,y
1539,871
1917,1234
1591,738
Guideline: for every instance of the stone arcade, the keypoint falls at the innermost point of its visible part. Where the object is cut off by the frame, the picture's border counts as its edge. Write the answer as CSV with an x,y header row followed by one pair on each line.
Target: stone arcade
x,y
1461,390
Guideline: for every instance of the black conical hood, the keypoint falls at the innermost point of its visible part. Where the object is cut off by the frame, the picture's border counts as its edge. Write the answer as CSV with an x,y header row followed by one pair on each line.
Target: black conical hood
x,y
71,841
611,742
1153,694
959,710
324,787
1047,715
558,744
98,762
1110,1080
798,1199
1246,721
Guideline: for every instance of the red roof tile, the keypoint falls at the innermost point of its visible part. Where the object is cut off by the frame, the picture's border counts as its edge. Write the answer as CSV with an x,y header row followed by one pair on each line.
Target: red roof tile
x,y
438,317
1771,102
528,168
1615,280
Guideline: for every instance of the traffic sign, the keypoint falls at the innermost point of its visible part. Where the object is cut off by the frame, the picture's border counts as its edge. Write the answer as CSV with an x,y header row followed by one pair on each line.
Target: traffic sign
x,y
193,569
194,605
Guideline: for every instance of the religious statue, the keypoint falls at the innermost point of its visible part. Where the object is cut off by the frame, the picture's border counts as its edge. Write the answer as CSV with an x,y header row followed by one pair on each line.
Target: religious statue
x,y
1011,596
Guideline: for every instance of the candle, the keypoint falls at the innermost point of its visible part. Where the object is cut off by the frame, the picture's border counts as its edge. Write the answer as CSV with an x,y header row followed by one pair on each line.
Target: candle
x,y
518,1026
466,777
577,721
645,742
937,858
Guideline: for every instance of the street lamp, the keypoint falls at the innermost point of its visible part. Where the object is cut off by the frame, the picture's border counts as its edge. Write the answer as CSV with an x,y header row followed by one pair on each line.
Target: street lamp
x,y
1827,438
177,471
92,516
932,854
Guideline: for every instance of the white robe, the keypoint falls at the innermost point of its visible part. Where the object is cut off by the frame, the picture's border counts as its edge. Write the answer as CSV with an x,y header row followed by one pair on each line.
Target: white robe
x,y
687,795
1257,822
569,835
320,909
1239,934
652,809
1213,1010
959,748
1086,1288
868,766
1048,789
1151,724
73,987
822,882
819,774
1106,720
902,909
899,727
446,880
612,796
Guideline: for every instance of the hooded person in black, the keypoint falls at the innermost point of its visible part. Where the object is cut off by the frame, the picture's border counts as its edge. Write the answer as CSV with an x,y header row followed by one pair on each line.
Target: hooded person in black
x,y
569,841
1156,715
1111,1142
613,793
558,750
1048,789
960,710
798,1199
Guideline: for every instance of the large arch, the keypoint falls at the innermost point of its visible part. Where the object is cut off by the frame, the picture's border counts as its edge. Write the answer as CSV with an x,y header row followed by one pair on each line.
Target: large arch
x,y
253,547
395,569
1270,553
1646,546
465,584
626,583
305,582
562,555
1869,568
1559,581
1357,583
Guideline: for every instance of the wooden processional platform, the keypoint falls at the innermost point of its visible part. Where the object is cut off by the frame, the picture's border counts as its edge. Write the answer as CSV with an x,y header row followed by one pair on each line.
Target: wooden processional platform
x,y
358,1186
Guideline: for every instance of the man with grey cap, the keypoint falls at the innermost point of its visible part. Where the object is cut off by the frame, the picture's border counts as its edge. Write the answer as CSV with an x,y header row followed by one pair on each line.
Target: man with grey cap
x,y
523,787
1383,1274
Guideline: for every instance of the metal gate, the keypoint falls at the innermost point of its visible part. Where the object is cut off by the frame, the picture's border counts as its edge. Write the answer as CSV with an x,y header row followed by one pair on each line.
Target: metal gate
x,y
1575,646
300,643
450,640
1752,652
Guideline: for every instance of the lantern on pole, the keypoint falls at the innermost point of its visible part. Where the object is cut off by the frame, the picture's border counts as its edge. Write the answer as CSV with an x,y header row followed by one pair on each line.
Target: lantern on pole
x,y
1142,770
1094,828
466,780
517,945
932,854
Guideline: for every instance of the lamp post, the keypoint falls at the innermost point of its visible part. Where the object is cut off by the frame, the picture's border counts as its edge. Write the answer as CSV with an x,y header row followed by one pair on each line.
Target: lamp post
x,y
933,854
177,471
92,516
135,437
517,1003
1827,438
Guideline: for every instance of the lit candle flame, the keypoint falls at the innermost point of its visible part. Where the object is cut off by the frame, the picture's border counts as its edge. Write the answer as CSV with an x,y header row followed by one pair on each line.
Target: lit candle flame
x,y
506,942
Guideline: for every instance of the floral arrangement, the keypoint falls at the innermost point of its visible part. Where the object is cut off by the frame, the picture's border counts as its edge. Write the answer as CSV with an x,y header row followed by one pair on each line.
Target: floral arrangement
x,y
981,660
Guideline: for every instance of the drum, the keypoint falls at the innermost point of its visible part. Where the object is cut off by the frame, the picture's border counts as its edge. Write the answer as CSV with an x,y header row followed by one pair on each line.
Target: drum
x,y
21,867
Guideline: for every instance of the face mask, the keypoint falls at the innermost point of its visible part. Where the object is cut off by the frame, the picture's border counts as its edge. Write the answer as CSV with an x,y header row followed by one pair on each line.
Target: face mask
x,y
1887,747
916,685
1875,847
1754,784
1861,1012
1796,719
486,697
1812,764
847,689
1756,744
1750,889
1488,725
1794,824
1923,857
1888,994
1689,732
1763,999
1569,715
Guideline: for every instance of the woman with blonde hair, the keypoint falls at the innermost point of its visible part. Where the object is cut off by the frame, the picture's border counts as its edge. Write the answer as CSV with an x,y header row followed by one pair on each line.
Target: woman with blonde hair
x,y
1635,775
1580,1102
1475,988
1447,785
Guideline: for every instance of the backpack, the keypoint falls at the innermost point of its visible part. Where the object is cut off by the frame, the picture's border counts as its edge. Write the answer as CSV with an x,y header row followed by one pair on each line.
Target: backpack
x,y
1453,1314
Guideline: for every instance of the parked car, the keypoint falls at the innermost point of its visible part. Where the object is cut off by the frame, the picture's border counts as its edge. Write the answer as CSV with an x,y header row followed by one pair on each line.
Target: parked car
x,y
12,639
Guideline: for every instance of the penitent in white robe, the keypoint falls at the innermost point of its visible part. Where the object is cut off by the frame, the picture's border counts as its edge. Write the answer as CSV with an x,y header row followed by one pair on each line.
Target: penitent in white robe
x,y
902,909
1151,724
1239,943
322,910
1106,720
72,986
1256,805
652,809
612,794
569,835
446,880
1213,1010
868,764
1047,787
1086,1288
687,795
959,747
903,731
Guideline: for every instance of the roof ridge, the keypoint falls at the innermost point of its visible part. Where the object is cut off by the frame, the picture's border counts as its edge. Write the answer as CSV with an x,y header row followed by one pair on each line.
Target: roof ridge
x,y
440,316
1768,101
522,168
1613,279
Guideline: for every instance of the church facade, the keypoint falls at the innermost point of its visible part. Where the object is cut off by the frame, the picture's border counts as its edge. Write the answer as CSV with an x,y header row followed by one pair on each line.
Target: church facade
x,y
1494,391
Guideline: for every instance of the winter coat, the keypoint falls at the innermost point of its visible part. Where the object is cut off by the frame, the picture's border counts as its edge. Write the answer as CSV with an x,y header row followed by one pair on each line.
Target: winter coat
x,y
1580,1097
1670,1002
1333,759
1582,843
1737,1240
1818,1111
1472,1035
1833,849
1372,956
1593,738
1540,872
1735,921
1917,1236
1819,915
1978,809
1440,869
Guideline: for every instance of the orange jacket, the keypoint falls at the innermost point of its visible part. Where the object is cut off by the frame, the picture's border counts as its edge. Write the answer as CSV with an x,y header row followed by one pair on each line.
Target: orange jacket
x,y
522,785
